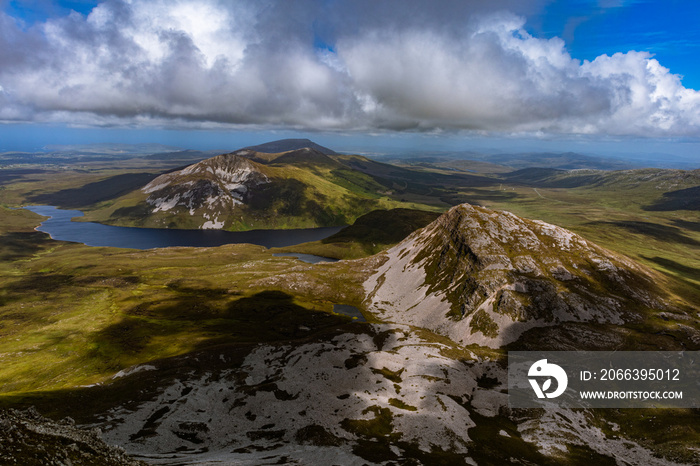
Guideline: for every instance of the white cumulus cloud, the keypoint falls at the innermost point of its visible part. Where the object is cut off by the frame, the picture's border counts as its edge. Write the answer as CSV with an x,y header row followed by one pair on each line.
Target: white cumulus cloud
x,y
302,65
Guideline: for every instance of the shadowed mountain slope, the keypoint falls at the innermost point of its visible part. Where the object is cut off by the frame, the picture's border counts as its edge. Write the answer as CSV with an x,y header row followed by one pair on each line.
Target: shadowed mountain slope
x,y
285,145
32,440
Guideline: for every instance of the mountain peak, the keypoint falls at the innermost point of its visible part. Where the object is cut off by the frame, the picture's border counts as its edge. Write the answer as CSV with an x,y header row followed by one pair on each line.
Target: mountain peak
x,y
212,188
246,190
485,277
286,145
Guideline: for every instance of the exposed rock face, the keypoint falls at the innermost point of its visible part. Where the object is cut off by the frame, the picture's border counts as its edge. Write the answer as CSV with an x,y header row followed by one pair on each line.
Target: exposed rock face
x,y
313,403
209,190
29,439
481,276
382,394
249,190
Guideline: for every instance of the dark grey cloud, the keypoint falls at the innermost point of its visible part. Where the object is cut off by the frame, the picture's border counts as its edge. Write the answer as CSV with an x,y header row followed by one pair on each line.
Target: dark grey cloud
x,y
360,65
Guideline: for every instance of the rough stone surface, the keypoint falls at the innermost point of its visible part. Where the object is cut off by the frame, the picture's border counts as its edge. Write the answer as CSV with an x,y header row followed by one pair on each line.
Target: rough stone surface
x,y
322,402
28,439
209,190
283,394
482,276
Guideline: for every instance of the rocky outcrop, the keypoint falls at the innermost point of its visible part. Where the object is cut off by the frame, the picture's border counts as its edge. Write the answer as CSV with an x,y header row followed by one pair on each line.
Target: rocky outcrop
x,y
315,403
482,276
209,190
29,439
381,394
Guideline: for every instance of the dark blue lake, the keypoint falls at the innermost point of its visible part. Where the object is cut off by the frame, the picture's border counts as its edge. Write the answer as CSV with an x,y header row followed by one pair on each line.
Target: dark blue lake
x,y
60,227
308,258
350,311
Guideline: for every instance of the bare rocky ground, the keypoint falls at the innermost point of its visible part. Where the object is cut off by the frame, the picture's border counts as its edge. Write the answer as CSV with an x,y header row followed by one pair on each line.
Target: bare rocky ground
x,y
318,400
384,394
28,439
208,190
485,277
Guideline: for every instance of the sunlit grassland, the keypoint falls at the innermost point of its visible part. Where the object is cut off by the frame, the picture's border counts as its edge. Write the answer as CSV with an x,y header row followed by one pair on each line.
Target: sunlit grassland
x,y
75,315
298,196
345,192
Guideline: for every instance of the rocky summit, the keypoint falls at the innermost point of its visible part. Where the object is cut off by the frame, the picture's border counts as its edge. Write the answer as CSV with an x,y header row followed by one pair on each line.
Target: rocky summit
x,y
485,277
209,190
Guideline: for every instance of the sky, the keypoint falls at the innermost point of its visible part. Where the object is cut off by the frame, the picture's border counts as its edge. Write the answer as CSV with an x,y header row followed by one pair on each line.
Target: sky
x,y
594,76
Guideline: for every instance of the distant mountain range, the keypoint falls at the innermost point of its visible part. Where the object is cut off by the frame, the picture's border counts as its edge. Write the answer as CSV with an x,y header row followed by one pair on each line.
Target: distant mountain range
x,y
111,148
498,163
486,162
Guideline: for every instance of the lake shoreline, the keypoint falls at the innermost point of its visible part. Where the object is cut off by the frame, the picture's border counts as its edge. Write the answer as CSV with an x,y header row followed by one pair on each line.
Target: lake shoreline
x,y
59,226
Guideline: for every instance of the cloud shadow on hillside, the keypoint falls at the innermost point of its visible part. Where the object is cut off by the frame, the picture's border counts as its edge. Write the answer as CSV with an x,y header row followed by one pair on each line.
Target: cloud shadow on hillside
x,y
659,232
93,193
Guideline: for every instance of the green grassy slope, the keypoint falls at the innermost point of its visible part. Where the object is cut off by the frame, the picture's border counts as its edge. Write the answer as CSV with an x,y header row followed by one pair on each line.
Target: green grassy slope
x,y
370,234
303,190
74,315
